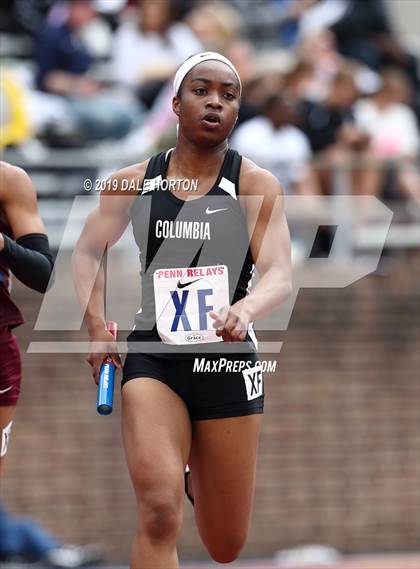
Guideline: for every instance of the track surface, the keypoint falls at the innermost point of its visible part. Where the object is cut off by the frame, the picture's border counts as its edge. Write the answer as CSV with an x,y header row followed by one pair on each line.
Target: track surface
x,y
408,561
403,561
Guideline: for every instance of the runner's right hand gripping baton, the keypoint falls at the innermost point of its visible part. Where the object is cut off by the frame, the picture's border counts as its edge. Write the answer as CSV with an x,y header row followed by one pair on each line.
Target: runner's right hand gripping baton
x,y
106,379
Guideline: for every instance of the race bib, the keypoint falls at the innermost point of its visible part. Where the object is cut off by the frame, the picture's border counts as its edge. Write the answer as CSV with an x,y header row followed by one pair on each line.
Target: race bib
x,y
183,299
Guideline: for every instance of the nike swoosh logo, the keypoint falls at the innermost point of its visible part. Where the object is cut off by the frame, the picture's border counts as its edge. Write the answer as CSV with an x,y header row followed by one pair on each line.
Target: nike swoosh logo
x,y
210,211
5,390
183,285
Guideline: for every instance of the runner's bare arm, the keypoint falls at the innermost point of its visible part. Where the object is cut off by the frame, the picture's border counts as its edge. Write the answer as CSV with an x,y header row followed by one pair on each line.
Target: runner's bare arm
x,y
262,200
18,201
269,242
26,249
103,228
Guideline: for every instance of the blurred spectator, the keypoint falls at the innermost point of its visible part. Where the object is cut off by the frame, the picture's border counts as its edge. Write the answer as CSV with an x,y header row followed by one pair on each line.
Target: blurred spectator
x,y
271,23
63,61
264,80
243,56
217,24
64,64
23,17
319,50
317,15
363,32
323,121
22,539
292,13
149,45
110,11
274,143
393,128
298,81
337,140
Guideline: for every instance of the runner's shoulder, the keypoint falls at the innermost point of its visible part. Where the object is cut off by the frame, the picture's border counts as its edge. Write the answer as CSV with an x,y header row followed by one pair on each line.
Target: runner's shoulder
x,y
15,185
127,180
257,181
119,191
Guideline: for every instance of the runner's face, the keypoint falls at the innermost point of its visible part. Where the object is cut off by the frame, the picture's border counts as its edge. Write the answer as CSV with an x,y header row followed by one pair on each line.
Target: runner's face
x,y
208,103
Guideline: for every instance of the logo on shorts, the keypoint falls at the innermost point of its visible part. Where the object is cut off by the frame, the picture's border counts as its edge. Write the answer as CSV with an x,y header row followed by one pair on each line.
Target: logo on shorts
x,y
5,390
253,381
5,436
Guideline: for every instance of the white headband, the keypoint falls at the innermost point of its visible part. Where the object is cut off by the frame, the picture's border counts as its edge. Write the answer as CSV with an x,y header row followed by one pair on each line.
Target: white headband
x,y
199,58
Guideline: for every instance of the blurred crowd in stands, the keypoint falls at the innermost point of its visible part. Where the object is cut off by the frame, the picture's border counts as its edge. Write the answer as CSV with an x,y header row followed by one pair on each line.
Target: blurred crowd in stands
x,y
326,83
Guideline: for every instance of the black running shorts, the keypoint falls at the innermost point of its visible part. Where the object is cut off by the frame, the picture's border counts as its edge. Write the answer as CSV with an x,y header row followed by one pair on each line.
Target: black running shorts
x,y
212,386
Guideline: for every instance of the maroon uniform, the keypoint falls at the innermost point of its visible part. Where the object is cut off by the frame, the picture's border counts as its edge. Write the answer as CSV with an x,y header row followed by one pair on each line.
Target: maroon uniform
x,y
10,317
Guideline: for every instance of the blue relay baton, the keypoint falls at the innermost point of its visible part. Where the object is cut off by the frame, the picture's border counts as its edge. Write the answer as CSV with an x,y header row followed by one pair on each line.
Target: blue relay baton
x,y
106,379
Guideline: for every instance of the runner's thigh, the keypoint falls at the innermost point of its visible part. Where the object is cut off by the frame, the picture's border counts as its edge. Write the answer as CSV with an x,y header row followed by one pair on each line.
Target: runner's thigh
x,y
223,462
157,437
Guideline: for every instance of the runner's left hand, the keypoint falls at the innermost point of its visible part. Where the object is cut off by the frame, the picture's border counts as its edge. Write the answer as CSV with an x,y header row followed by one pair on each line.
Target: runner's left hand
x,y
231,323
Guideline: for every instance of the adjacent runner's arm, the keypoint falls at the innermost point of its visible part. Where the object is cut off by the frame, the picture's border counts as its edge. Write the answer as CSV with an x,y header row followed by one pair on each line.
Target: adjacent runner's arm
x,y
28,255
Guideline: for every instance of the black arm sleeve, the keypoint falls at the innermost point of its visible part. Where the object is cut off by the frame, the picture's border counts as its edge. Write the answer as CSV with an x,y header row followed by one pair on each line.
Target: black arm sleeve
x,y
30,260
